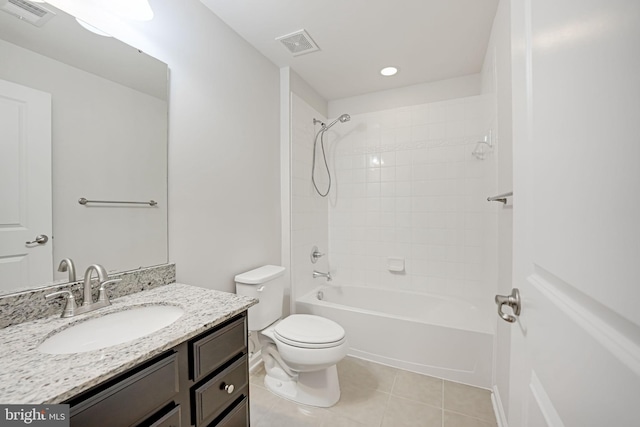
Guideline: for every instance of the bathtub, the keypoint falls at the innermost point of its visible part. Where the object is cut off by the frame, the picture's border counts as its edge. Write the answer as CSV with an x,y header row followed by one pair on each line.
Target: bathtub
x,y
433,335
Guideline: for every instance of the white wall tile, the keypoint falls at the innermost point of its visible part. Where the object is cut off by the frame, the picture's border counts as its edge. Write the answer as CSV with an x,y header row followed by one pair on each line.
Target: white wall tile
x,y
411,189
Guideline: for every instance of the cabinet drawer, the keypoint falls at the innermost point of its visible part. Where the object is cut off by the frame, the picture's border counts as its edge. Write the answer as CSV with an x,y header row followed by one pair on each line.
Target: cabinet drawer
x,y
213,397
210,352
238,417
171,419
133,398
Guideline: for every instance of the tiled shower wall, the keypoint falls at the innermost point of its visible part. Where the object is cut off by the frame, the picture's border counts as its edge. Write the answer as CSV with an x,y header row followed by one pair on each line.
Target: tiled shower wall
x,y
407,186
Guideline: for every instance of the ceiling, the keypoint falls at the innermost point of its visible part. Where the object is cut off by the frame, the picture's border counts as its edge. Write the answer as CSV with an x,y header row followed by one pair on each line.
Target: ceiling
x,y
428,40
63,39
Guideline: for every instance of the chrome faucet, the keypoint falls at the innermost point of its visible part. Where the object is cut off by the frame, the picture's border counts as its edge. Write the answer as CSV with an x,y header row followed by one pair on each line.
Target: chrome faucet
x,y
68,265
103,276
317,274
88,305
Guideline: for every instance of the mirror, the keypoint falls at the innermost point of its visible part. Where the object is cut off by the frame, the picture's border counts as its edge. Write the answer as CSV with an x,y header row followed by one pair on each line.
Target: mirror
x,y
109,114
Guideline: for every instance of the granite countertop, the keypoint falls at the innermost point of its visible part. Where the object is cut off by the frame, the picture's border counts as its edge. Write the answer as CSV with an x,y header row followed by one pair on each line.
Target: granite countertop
x,y
28,376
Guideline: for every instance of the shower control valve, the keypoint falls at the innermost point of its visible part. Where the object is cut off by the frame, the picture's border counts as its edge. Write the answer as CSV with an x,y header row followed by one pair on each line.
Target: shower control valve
x,y
315,254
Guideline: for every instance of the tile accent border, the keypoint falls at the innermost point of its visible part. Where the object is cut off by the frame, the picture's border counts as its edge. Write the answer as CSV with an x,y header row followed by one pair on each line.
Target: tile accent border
x,y
30,305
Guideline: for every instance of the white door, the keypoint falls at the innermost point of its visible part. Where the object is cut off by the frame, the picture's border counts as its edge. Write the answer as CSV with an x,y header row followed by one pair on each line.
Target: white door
x,y
576,85
25,186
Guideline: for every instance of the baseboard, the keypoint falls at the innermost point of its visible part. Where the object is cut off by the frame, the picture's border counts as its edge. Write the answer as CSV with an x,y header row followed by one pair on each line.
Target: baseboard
x,y
254,361
498,410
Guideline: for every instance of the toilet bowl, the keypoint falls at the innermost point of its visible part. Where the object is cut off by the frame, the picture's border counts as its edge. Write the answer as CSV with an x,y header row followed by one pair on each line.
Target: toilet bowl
x,y
299,352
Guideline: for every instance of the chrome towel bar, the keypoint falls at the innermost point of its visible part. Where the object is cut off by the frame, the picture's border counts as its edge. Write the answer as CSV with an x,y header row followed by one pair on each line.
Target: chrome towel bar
x,y
84,201
500,197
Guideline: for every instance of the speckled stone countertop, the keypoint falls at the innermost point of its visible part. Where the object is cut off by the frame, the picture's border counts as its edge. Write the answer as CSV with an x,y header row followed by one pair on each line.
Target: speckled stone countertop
x,y
28,376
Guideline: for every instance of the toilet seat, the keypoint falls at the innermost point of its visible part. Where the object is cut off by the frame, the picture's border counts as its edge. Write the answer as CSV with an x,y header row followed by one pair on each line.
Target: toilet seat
x,y
309,331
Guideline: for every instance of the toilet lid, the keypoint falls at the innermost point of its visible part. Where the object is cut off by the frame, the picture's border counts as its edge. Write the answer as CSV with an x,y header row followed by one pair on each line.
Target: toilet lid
x,y
306,330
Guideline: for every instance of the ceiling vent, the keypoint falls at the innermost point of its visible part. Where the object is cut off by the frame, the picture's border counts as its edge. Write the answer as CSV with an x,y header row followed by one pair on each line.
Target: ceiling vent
x,y
298,43
33,13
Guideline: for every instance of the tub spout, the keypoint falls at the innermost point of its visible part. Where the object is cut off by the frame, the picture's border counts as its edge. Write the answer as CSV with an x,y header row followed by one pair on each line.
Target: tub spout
x,y
317,274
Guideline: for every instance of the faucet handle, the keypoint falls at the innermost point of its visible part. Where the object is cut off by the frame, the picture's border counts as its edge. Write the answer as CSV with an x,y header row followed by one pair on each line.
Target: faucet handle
x,y
102,295
315,254
69,309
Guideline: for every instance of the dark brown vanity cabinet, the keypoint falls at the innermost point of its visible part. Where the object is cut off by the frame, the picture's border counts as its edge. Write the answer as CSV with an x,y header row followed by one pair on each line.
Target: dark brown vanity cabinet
x,y
203,382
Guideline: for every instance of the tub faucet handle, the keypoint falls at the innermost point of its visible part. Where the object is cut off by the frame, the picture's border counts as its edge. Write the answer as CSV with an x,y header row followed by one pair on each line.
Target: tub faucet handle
x,y
315,254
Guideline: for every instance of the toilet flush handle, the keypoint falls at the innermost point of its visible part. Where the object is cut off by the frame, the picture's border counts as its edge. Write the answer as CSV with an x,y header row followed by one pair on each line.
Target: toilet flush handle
x,y
261,288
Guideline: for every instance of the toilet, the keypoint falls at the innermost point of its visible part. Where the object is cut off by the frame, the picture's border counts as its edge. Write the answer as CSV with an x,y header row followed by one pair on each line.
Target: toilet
x,y
299,352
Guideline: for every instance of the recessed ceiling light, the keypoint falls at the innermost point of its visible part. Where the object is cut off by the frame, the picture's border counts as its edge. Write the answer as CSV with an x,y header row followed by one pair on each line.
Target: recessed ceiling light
x,y
388,71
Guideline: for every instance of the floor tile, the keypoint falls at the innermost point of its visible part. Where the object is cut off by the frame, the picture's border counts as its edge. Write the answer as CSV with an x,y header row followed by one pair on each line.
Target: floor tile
x,y
330,419
452,419
471,401
366,406
288,414
421,388
374,395
362,373
261,401
407,413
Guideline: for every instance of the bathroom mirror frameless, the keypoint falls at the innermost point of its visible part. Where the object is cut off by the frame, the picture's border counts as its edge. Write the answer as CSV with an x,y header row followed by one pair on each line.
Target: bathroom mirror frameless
x,y
109,114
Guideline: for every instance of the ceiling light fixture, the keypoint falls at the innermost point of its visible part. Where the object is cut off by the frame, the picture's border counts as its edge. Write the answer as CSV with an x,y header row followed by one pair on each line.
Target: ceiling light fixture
x,y
388,71
137,10
92,28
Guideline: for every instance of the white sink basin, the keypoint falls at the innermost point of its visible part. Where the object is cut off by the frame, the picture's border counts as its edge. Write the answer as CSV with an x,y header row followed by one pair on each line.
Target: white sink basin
x,y
111,329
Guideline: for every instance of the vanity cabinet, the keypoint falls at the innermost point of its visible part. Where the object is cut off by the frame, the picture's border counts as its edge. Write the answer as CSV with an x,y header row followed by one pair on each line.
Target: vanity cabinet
x,y
203,382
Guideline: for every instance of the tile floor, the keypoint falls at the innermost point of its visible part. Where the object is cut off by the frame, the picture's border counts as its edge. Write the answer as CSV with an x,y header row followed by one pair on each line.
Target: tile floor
x,y
380,396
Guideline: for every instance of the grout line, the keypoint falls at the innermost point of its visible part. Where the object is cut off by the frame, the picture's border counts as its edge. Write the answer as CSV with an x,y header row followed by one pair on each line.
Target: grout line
x,y
386,408
471,416
442,403
393,384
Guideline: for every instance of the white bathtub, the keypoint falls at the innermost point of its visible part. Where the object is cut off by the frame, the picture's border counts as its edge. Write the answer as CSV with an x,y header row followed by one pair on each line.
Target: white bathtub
x,y
433,335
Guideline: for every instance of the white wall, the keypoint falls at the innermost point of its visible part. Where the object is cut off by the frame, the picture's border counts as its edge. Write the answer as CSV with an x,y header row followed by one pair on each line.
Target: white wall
x,y
308,94
224,161
496,83
309,213
102,149
304,213
423,93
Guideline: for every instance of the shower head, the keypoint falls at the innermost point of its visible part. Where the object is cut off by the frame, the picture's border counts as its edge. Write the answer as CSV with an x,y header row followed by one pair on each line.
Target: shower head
x,y
342,119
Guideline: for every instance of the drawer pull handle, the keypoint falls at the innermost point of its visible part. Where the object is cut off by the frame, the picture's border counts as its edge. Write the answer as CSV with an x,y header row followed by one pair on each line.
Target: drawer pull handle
x,y
229,388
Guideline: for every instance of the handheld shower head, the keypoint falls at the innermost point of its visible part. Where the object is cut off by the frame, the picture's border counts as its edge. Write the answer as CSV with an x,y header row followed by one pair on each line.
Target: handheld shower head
x,y
323,128
342,119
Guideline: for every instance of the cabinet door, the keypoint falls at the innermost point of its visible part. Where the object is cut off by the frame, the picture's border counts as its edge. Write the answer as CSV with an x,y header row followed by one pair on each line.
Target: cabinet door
x,y
217,394
238,417
212,351
170,419
132,398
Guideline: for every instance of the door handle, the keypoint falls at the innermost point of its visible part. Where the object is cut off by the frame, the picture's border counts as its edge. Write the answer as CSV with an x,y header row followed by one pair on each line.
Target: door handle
x,y
512,301
40,239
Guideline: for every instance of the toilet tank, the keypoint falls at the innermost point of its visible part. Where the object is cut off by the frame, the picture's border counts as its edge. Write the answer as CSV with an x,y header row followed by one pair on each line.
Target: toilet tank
x,y
267,285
